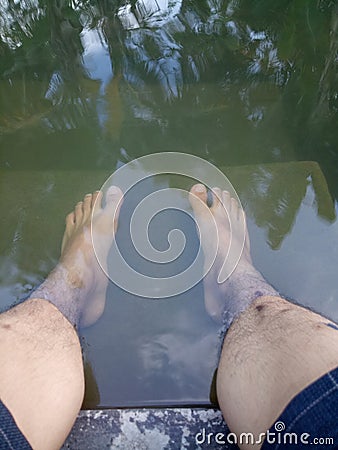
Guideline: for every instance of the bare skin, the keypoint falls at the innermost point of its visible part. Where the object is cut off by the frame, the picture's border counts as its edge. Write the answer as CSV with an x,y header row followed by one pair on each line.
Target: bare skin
x,y
84,293
273,348
41,368
245,282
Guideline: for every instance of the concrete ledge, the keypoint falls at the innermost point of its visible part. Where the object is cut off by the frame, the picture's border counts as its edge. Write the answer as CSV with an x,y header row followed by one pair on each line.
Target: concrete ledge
x,y
148,429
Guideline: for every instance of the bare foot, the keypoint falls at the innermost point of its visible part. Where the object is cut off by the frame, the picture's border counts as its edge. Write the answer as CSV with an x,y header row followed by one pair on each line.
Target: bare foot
x,y
77,286
245,283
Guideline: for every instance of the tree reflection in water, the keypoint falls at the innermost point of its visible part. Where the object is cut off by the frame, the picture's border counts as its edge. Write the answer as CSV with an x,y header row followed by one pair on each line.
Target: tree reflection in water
x,y
252,83
88,84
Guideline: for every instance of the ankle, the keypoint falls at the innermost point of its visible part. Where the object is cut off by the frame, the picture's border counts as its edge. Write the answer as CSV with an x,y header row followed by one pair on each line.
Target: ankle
x,y
63,292
244,286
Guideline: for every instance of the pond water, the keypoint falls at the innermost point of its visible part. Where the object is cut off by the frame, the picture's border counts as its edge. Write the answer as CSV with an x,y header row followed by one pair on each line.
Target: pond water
x,y
86,87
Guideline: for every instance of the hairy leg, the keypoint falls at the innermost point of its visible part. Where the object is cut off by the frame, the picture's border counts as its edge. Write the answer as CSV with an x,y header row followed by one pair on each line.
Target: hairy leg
x,y
41,369
41,372
273,348
271,352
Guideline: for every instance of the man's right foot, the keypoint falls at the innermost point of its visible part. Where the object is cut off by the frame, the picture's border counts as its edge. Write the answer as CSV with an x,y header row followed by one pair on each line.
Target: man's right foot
x,y
245,283
77,286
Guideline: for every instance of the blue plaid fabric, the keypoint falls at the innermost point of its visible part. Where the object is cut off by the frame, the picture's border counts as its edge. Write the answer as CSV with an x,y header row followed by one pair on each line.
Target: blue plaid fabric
x,y
11,437
310,420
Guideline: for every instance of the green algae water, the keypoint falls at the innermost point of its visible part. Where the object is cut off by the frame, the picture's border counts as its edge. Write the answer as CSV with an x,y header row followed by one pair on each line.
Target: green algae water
x,y
251,86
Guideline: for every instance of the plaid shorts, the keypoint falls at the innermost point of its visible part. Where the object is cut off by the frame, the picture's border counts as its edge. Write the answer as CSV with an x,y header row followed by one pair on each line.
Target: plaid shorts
x,y
11,437
310,420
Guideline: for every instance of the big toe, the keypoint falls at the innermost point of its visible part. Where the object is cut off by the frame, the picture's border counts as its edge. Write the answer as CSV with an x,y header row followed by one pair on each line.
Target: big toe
x,y
106,218
114,200
198,197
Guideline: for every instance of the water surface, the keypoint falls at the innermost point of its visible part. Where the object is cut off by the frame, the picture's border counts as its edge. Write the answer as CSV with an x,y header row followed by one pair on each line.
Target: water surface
x,y
86,87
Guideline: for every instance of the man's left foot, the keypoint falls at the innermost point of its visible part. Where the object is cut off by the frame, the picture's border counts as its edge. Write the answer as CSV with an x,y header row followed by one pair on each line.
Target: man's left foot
x,y
225,300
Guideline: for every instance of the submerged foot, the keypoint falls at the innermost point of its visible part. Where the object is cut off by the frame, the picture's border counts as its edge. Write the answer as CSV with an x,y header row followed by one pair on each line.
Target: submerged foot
x,y
225,300
77,286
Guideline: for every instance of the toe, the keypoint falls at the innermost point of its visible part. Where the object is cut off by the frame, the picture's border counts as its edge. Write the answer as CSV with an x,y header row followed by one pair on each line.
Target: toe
x,y
226,199
113,195
70,225
96,198
87,205
114,199
234,208
198,198
216,197
70,221
79,213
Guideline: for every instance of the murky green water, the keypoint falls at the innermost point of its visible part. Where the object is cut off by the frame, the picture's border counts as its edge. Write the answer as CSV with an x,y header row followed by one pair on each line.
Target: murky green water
x,y
250,86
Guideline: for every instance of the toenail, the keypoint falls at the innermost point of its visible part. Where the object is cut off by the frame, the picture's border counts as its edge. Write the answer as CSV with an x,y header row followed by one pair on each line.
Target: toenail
x,y
114,190
210,199
200,188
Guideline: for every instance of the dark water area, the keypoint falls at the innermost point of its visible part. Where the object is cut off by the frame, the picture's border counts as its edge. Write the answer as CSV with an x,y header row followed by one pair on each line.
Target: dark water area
x,y
250,86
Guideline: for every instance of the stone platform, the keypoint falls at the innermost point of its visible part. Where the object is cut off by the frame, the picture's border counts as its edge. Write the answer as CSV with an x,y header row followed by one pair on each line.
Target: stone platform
x,y
149,429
